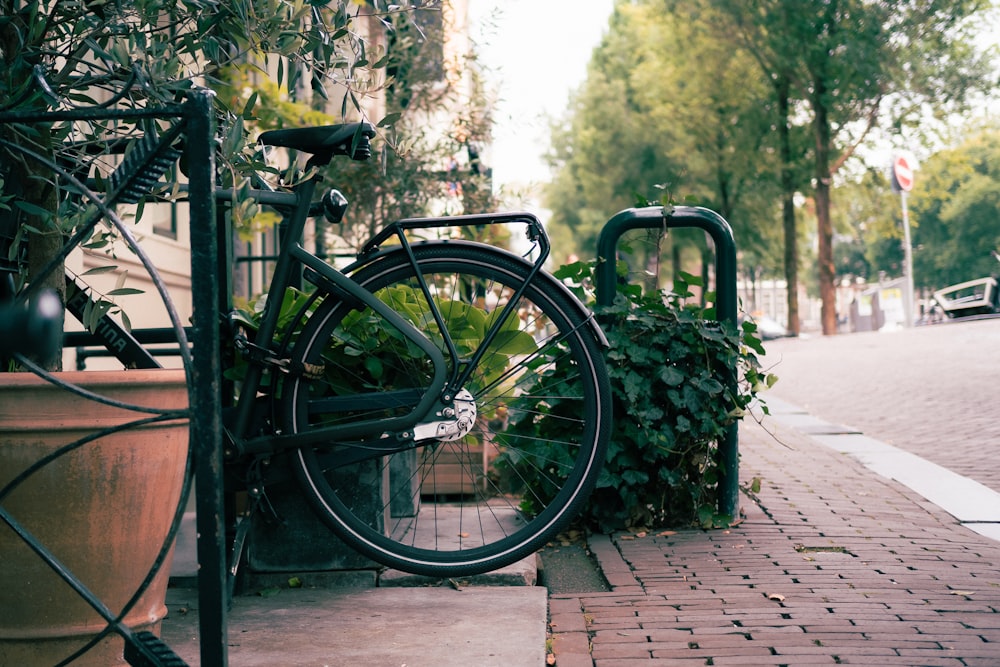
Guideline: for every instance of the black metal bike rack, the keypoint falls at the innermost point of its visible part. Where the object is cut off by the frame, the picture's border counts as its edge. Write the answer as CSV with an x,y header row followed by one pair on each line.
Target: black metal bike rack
x,y
718,229
203,378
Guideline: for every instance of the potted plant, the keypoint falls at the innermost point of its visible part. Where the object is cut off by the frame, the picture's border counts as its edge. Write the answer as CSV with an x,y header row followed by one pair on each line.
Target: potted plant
x,y
100,500
95,483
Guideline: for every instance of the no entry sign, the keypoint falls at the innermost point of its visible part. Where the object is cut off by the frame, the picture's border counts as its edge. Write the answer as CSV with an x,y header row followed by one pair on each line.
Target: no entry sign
x,y
902,174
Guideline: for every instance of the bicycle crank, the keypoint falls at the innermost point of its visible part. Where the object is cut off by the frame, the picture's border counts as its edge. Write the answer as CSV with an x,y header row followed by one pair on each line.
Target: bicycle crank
x,y
456,420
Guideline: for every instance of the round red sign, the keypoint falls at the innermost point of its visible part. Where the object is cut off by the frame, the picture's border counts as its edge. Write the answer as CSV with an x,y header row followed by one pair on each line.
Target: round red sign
x,y
903,173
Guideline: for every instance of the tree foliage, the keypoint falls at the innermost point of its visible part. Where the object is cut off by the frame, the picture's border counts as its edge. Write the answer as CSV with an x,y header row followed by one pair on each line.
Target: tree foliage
x,y
955,209
664,114
695,94
853,63
442,119
129,54
869,236
437,116
137,53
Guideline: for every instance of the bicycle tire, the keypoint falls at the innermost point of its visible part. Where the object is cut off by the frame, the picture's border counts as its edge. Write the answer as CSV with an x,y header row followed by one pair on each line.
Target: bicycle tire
x,y
507,491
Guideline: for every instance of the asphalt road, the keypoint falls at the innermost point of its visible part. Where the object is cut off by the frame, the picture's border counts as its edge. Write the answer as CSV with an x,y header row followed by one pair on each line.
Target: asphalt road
x,y
928,390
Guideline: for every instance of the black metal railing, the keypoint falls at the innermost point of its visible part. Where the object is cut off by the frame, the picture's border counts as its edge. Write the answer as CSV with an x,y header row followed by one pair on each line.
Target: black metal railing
x,y
199,343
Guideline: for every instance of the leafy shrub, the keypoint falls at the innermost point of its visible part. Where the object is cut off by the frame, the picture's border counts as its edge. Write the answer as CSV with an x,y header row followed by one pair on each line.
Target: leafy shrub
x,y
679,380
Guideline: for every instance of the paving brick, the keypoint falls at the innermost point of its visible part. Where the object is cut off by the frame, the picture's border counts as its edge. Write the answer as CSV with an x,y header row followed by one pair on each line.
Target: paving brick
x,y
563,604
903,584
603,650
571,643
667,634
603,635
777,661
598,624
568,659
749,653
650,662
568,622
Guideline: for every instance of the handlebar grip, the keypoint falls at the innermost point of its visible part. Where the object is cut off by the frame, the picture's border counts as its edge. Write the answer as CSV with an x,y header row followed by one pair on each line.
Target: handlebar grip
x,y
35,329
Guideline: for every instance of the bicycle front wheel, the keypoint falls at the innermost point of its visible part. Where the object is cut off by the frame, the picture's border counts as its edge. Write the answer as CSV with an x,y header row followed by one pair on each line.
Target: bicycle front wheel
x,y
533,415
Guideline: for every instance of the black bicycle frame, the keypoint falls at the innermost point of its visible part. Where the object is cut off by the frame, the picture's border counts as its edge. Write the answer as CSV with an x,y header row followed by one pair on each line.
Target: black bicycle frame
x,y
331,279
442,384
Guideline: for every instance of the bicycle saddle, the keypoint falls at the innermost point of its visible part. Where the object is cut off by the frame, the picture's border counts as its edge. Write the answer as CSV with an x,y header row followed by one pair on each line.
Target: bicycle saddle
x,y
325,141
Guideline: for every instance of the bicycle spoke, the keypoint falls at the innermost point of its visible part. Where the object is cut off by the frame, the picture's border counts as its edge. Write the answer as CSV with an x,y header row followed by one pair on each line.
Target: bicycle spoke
x,y
481,497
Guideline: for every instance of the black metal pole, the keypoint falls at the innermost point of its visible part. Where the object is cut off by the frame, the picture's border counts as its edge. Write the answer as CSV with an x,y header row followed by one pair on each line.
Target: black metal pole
x,y
206,376
726,300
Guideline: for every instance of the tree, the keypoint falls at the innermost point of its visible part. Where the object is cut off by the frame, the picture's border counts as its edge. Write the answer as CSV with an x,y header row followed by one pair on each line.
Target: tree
x,y
437,116
853,62
668,109
147,53
605,153
443,118
868,230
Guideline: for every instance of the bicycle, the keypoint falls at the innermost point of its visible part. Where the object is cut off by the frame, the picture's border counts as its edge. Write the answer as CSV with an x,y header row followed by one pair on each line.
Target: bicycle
x,y
416,350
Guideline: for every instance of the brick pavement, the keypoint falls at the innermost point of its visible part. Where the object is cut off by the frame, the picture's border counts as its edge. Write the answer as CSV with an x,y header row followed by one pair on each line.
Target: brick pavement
x,y
831,565
927,390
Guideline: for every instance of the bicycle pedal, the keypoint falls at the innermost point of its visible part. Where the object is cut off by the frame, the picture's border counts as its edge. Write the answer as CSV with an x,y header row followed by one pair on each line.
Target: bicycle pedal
x,y
147,650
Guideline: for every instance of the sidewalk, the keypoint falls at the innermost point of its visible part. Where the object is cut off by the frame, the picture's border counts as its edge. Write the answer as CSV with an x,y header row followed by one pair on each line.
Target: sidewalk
x,y
833,564
367,619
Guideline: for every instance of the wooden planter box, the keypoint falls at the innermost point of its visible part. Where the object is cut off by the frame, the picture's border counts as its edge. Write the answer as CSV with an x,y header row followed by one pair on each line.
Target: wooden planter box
x,y
456,468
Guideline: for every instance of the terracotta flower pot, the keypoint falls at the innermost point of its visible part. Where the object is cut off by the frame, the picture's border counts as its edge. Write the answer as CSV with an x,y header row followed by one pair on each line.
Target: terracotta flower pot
x,y
104,510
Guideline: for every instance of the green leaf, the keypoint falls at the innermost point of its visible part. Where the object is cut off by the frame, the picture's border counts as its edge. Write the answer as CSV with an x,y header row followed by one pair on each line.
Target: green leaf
x,y
99,269
374,366
32,209
671,376
635,476
389,119
248,107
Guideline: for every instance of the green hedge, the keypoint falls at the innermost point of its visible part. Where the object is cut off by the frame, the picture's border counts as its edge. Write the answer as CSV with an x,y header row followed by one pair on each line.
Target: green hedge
x,y
679,380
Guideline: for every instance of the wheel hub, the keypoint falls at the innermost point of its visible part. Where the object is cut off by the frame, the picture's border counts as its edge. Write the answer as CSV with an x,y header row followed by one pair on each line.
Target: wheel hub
x,y
457,420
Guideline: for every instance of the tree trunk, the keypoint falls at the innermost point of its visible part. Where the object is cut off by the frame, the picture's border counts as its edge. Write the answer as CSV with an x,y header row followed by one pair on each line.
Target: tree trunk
x,y
32,183
788,207
42,247
824,227
27,179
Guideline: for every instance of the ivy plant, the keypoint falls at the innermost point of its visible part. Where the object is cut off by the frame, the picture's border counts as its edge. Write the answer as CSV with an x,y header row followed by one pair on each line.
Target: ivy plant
x,y
679,380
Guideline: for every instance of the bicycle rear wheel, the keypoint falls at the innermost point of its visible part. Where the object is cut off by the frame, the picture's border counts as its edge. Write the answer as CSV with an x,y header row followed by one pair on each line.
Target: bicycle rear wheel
x,y
536,413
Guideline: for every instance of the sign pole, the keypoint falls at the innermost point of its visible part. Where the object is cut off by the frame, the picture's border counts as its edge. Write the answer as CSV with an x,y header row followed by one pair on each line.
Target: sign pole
x,y
902,182
908,261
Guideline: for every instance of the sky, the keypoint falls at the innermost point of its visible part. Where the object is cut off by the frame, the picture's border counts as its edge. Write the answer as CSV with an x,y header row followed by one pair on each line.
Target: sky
x,y
537,52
